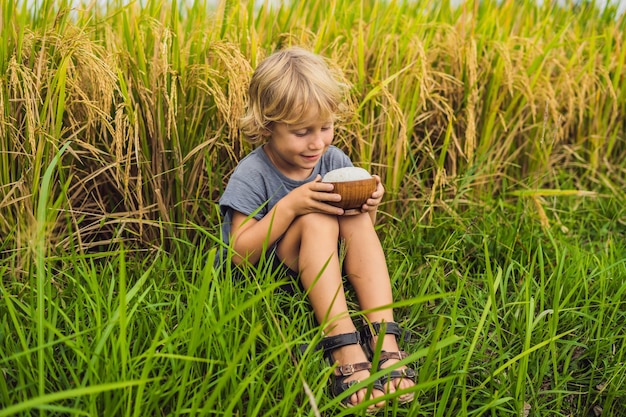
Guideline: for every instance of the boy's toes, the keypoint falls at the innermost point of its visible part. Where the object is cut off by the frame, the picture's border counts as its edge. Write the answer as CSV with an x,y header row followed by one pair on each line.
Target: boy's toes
x,y
402,384
374,393
400,380
380,403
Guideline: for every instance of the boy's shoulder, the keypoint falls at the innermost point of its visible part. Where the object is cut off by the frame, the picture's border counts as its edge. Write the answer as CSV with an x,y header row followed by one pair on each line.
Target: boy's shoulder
x,y
335,157
334,150
255,161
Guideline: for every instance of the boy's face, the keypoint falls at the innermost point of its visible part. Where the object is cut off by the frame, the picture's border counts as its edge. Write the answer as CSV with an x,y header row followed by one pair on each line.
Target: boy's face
x,y
295,149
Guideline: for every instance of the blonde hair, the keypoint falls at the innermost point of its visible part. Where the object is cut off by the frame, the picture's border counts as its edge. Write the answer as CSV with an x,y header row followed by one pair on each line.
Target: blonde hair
x,y
283,88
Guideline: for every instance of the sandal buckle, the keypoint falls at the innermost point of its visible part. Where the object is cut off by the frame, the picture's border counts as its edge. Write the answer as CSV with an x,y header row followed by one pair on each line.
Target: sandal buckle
x,y
346,370
350,368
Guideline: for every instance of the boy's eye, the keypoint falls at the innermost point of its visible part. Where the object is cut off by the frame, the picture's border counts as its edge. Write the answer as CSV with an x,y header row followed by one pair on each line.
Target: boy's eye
x,y
305,131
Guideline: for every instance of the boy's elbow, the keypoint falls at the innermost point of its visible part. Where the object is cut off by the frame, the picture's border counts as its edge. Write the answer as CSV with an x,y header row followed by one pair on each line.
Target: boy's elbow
x,y
244,251
237,260
242,257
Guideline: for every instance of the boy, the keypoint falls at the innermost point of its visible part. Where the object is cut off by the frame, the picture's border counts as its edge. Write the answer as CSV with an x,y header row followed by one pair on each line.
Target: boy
x,y
275,199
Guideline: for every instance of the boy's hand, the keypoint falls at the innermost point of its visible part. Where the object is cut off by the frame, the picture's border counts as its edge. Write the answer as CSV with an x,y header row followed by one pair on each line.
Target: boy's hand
x,y
375,199
313,197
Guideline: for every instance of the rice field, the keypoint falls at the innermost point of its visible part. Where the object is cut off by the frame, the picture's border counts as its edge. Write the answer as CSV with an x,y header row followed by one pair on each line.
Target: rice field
x,y
498,129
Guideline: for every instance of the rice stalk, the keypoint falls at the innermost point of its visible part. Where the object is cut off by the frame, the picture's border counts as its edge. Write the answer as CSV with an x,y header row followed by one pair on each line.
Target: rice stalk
x,y
470,132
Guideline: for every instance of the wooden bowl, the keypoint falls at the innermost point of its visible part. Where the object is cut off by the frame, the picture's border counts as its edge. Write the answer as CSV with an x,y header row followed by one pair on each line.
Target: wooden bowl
x,y
353,193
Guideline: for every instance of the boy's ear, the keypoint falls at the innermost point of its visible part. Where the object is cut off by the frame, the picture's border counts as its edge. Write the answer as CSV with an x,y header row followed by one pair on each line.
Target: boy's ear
x,y
266,132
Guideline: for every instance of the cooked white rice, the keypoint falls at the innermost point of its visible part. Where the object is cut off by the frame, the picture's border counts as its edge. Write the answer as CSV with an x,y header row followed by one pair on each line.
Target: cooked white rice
x,y
346,174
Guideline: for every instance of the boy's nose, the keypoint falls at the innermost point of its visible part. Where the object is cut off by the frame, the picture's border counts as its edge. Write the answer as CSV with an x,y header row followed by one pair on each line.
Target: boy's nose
x,y
317,141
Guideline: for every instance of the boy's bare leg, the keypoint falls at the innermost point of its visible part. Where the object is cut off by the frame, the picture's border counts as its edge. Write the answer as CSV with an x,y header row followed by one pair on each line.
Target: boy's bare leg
x,y
310,246
367,271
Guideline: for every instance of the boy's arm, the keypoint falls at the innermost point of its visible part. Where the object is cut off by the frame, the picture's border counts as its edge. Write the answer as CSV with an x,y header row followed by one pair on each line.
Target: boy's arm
x,y
250,235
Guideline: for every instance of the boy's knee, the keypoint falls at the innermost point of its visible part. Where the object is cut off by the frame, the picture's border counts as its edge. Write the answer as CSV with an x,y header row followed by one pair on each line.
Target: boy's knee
x,y
318,223
359,223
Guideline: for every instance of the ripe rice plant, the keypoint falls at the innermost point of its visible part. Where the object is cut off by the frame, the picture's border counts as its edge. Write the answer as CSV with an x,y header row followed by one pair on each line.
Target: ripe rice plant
x,y
150,97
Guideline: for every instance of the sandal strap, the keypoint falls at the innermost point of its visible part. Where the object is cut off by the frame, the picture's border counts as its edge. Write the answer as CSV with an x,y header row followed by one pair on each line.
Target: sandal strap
x,y
385,356
351,368
407,373
338,386
396,373
390,328
330,343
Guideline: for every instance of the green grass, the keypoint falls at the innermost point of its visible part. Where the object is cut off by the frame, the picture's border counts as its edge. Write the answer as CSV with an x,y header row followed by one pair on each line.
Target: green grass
x,y
505,314
497,127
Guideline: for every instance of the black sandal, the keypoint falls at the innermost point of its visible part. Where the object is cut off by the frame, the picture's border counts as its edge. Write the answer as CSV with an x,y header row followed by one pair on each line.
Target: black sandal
x,y
390,328
341,372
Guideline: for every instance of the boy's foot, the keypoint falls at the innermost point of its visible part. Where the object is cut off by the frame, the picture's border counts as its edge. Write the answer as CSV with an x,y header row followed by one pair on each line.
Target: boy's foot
x,y
349,357
399,378
351,366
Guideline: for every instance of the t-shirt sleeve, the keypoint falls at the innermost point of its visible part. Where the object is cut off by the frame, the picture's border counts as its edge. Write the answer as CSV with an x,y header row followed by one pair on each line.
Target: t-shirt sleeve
x,y
335,158
246,194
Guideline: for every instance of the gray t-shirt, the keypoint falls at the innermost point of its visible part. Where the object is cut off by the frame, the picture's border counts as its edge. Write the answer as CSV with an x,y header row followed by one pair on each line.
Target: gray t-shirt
x,y
256,182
